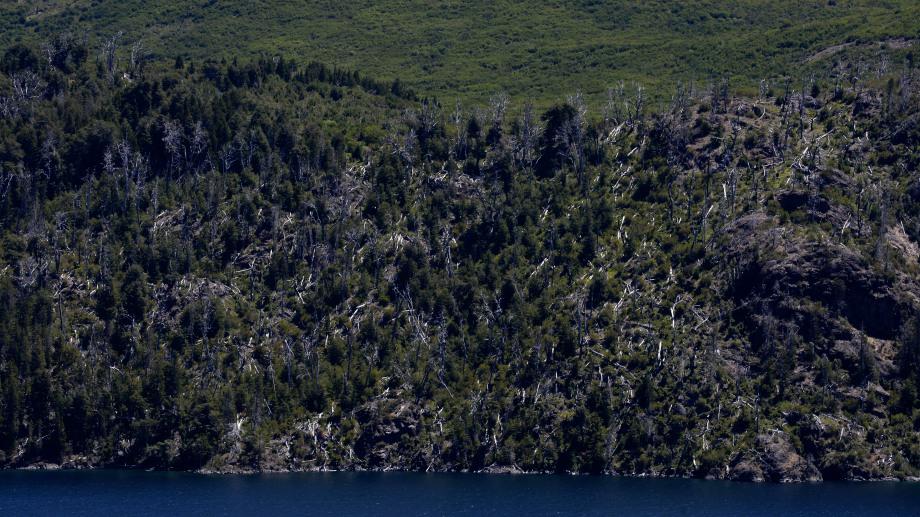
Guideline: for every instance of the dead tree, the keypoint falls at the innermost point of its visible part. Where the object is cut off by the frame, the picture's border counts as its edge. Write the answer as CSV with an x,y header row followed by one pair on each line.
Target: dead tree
x,y
526,139
459,144
172,141
638,104
571,139
616,107
198,145
403,146
109,56
138,57
51,160
428,118
28,88
498,107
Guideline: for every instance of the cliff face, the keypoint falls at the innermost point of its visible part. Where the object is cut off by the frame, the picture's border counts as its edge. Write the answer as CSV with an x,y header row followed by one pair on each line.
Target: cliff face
x,y
826,302
235,268
784,269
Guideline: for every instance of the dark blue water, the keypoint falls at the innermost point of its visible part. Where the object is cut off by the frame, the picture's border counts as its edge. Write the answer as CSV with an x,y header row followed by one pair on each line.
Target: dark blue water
x,y
173,494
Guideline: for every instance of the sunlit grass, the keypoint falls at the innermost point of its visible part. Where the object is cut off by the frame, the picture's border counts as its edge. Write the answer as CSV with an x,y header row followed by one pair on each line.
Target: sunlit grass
x,y
469,50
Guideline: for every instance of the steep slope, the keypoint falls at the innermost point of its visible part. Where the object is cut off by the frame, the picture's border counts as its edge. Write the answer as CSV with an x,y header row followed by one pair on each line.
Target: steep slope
x,y
236,267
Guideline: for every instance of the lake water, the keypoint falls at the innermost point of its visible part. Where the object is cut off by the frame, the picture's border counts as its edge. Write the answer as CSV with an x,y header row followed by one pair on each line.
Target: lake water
x,y
157,493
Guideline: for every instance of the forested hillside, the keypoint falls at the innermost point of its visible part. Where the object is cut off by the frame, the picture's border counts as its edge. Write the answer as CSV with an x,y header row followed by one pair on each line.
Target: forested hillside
x,y
537,50
268,265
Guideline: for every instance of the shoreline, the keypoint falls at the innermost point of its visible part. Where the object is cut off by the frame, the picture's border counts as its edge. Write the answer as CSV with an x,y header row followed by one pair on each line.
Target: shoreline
x,y
488,471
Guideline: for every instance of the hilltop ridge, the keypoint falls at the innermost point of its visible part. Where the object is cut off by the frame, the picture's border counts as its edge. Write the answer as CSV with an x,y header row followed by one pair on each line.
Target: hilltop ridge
x,y
539,51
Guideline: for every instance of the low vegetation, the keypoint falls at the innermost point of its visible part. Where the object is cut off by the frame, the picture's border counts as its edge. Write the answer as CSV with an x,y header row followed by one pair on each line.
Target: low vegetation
x,y
540,51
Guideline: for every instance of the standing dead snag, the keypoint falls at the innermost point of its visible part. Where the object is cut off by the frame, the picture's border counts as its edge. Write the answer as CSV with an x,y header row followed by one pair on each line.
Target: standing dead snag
x,y
525,140
459,141
418,326
498,106
138,57
109,56
28,88
570,139
172,141
638,104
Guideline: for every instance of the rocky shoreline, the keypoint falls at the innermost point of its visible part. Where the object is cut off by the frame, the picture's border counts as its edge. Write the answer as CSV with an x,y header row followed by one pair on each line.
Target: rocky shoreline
x,y
82,464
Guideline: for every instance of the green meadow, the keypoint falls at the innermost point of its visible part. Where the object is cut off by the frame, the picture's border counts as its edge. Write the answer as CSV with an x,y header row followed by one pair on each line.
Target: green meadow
x,y
540,50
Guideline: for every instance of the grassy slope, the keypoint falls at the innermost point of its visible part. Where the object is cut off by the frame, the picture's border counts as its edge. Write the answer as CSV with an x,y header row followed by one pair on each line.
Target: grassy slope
x,y
469,50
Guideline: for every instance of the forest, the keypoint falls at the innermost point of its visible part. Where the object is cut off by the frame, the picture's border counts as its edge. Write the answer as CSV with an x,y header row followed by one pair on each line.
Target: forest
x,y
241,265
